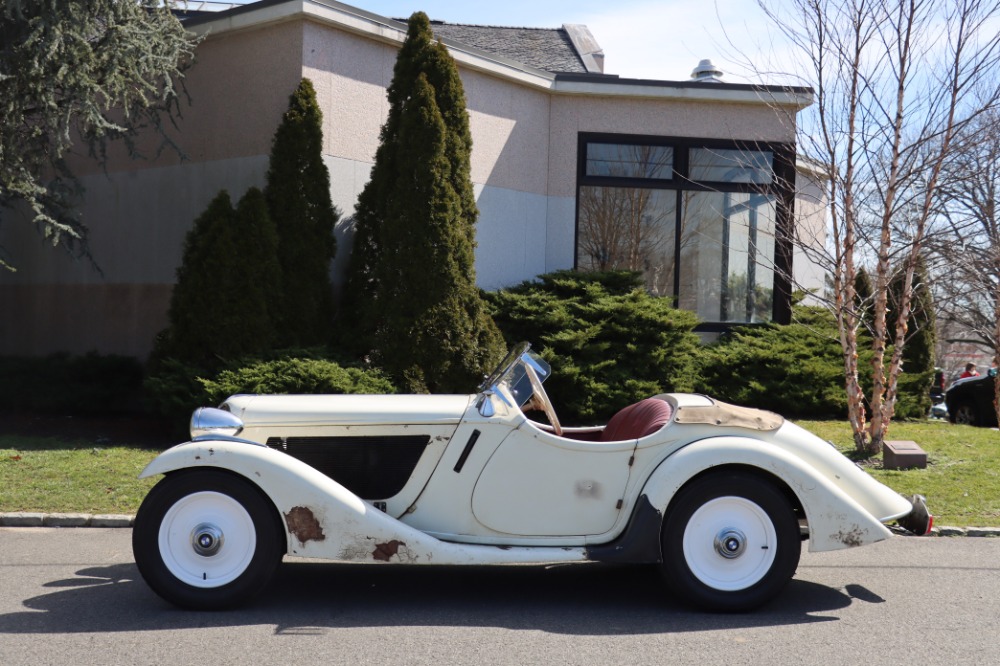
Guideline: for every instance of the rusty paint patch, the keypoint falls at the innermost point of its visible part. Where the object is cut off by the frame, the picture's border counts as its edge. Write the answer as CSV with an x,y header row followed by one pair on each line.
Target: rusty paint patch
x,y
852,538
302,524
384,551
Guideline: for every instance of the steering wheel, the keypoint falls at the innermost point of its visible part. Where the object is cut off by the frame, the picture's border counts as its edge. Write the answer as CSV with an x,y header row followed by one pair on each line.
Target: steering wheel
x,y
538,393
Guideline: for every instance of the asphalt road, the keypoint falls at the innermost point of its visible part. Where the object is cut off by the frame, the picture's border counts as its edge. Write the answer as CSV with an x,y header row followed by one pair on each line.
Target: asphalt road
x,y
74,596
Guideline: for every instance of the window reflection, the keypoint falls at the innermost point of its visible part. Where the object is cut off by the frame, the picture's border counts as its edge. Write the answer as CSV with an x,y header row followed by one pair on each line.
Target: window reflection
x,y
624,160
697,221
629,228
731,166
727,256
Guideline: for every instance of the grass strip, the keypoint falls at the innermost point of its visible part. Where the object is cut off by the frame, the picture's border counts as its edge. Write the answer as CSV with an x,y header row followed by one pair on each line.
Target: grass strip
x,y
49,475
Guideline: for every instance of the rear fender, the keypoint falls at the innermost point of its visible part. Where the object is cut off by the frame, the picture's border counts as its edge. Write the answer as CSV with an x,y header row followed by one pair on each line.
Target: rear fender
x,y
325,520
836,520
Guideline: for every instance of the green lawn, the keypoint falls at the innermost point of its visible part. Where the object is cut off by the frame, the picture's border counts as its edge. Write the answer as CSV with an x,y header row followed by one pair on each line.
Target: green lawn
x,y
53,476
961,482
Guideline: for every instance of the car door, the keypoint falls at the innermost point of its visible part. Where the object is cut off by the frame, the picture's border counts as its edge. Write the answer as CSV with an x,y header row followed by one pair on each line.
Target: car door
x,y
537,484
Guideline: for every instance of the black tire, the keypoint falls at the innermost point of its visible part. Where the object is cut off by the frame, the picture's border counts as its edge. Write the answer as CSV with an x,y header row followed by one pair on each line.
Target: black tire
x,y
964,414
207,539
743,515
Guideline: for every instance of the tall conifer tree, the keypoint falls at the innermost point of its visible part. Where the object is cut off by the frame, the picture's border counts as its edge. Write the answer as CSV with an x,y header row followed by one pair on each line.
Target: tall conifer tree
x,y
863,298
921,325
298,197
219,309
412,297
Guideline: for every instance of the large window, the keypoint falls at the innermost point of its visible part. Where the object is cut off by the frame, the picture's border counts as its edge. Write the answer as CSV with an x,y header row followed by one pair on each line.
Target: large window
x,y
701,221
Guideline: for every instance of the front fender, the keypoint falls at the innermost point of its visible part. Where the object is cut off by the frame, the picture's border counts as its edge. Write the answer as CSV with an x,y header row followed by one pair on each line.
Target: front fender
x,y
297,490
836,519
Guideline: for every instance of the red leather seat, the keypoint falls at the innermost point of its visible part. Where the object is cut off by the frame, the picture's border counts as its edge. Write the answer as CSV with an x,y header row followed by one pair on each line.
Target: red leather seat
x,y
643,418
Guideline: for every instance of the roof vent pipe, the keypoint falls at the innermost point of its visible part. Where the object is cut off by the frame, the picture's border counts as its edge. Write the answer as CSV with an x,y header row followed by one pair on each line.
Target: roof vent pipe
x,y
707,72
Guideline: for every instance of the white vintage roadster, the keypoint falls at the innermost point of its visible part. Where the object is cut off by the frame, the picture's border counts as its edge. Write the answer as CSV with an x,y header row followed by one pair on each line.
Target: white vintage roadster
x,y
719,496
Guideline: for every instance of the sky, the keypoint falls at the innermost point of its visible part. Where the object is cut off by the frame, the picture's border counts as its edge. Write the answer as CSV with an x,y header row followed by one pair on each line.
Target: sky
x,y
651,39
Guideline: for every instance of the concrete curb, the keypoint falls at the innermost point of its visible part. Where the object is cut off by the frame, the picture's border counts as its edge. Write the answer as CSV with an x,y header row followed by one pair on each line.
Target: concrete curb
x,y
113,520
65,520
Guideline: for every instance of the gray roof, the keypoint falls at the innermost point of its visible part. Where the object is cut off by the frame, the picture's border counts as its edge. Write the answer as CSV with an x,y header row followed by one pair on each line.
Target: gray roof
x,y
548,49
570,49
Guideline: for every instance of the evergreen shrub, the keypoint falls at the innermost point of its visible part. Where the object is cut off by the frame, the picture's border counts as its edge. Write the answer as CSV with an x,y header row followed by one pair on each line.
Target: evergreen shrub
x,y
609,341
296,376
913,399
71,385
179,388
795,370
174,390
914,385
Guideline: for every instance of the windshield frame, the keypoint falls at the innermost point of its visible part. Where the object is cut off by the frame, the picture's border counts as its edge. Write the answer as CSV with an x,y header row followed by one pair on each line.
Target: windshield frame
x,y
510,379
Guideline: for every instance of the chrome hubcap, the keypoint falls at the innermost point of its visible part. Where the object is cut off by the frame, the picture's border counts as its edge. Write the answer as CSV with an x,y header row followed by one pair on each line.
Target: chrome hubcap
x,y
730,543
207,539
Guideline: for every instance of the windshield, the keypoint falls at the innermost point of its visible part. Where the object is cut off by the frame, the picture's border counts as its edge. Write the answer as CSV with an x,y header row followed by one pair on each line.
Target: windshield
x,y
511,377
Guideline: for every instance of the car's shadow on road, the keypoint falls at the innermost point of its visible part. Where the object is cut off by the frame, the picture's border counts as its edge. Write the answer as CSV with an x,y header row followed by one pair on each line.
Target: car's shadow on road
x,y
310,597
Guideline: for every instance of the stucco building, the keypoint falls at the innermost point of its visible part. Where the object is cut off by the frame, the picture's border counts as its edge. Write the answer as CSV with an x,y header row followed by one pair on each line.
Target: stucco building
x,y
693,182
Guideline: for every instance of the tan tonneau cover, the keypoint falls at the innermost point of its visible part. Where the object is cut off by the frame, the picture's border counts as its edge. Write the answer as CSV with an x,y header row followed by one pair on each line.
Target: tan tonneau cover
x,y
724,414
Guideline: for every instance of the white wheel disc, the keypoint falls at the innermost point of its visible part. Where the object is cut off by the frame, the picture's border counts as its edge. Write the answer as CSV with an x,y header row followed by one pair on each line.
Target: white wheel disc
x,y
207,539
730,543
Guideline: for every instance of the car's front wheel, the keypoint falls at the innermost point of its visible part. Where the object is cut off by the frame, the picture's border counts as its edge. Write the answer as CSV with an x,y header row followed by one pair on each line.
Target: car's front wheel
x,y
730,542
964,414
206,539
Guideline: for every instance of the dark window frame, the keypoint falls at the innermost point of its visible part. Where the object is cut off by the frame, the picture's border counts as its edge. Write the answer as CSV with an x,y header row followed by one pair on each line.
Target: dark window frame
x,y
782,188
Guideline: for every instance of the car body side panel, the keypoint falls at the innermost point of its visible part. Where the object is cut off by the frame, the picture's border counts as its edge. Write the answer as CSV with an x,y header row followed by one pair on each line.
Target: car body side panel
x,y
325,520
538,484
836,519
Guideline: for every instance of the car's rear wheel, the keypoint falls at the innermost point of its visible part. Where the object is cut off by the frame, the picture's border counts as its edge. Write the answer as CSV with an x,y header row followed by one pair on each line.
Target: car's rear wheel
x,y
730,541
206,539
964,414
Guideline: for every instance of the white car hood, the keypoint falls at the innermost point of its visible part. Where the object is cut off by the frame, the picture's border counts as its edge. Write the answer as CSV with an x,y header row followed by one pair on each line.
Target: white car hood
x,y
262,410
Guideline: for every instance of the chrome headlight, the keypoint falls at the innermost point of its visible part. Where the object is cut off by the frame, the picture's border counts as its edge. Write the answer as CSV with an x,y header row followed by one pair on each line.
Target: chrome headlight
x,y
212,421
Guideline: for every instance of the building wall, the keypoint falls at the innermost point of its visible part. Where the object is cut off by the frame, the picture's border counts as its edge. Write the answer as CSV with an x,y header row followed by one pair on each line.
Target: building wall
x,y
140,210
510,164
138,220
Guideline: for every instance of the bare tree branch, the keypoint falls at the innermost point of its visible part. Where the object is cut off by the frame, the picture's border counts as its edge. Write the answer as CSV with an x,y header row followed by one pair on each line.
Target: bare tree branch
x,y
895,82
